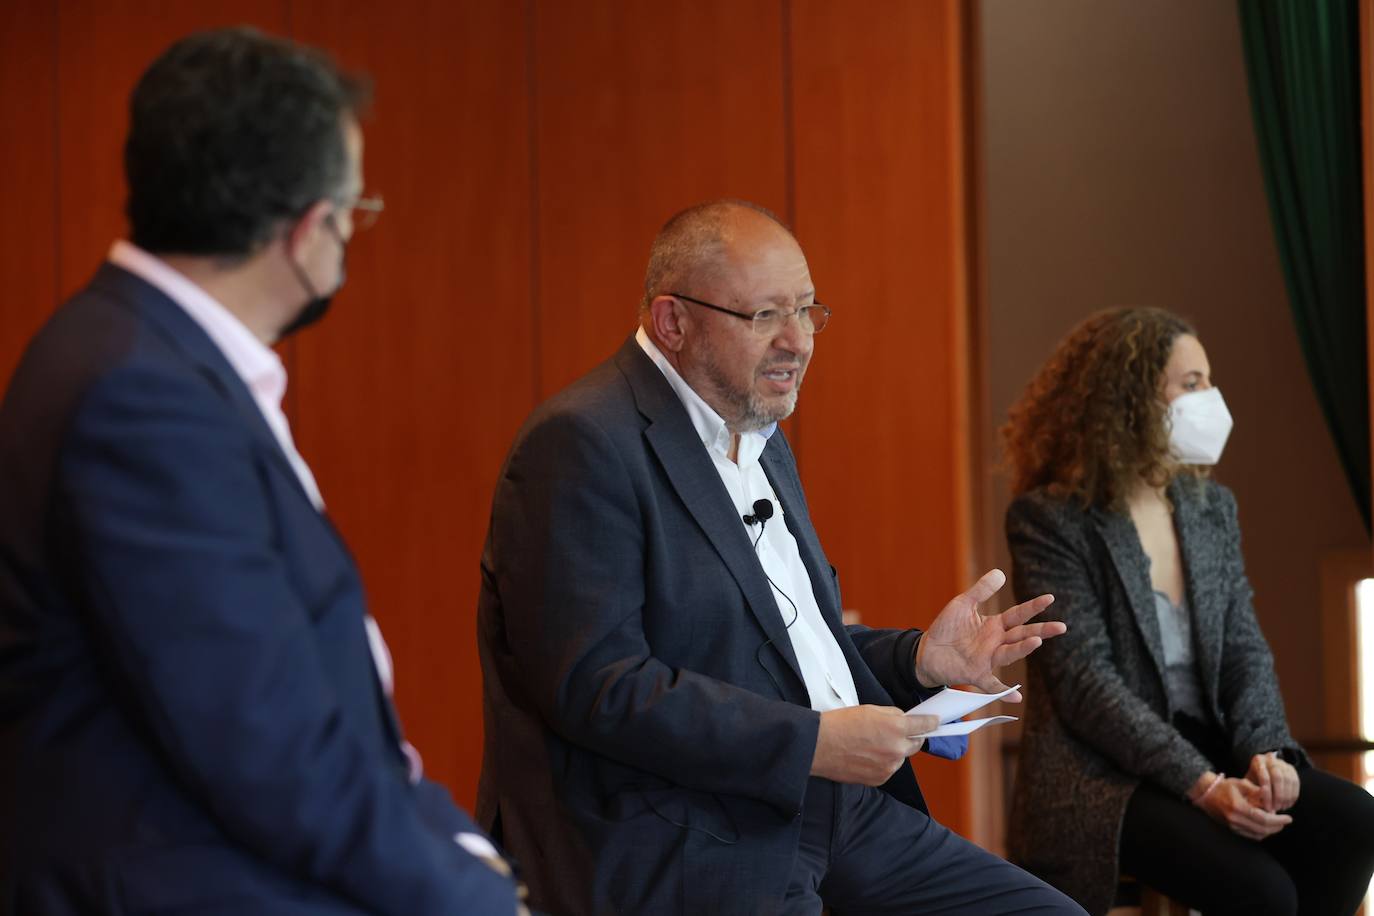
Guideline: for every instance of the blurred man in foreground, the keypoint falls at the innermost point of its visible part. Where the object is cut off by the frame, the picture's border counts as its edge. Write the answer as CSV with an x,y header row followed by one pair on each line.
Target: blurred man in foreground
x,y
194,710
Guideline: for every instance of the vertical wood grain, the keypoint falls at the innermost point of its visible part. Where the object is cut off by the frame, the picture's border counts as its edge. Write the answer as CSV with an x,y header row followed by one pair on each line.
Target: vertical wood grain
x,y
528,153
103,48
408,394
1367,128
878,100
643,109
28,147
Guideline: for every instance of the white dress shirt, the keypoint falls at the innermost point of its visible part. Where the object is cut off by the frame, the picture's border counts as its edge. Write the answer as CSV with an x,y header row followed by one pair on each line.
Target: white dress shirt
x,y
823,666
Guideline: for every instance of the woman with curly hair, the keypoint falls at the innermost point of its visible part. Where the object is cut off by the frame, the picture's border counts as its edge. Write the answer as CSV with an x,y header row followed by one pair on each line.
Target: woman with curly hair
x,y
1155,739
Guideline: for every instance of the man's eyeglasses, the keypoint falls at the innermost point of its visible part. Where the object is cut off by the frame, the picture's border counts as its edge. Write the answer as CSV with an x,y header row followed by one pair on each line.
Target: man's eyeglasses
x,y
366,211
768,322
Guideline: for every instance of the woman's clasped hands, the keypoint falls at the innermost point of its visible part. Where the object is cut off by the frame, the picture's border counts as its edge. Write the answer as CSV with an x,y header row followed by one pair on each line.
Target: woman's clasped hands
x,y
1250,805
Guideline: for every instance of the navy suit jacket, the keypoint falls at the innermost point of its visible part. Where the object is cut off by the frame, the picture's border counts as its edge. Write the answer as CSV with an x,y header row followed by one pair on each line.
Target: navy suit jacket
x,y
649,736
190,719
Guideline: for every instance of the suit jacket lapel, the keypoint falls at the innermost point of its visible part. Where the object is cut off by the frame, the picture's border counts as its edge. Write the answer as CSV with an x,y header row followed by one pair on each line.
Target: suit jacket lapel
x,y
1197,536
182,331
674,441
781,469
782,475
1123,545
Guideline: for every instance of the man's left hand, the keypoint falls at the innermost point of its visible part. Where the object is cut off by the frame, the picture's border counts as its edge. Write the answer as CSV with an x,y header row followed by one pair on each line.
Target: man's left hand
x,y
964,646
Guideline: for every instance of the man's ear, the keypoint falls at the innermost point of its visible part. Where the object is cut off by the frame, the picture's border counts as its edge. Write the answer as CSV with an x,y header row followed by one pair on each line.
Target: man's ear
x,y
303,233
667,322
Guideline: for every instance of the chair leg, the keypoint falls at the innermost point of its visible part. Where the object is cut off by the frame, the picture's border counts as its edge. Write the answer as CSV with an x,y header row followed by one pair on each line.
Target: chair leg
x,y
1153,903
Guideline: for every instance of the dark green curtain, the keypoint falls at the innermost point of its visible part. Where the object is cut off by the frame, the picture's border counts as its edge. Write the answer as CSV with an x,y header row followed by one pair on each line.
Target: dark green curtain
x,y
1302,58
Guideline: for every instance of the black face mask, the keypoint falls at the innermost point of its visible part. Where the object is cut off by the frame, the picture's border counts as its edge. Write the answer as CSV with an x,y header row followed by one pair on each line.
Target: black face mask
x,y
316,306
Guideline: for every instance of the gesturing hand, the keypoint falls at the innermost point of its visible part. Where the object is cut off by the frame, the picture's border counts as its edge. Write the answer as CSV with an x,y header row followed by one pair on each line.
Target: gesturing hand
x,y
964,646
1277,781
866,744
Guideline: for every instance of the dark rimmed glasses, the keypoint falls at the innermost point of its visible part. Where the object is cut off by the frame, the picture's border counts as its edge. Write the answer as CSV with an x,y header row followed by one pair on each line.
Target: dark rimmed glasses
x,y
768,322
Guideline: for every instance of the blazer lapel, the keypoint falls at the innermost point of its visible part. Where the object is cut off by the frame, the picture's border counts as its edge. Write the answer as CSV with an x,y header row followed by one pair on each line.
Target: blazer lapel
x,y
674,441
782,475
183,332
1132,566
1198,534
781,469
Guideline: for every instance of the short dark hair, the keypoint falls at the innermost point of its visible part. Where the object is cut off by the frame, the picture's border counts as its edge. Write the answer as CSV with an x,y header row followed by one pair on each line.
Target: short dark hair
x,y
231,132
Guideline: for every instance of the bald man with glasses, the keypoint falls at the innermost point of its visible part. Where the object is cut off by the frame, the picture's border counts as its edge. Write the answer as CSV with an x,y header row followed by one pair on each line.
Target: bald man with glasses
x,y
677,721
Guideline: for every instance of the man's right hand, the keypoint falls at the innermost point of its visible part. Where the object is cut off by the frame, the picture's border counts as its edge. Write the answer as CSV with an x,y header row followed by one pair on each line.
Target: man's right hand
x,y
866,744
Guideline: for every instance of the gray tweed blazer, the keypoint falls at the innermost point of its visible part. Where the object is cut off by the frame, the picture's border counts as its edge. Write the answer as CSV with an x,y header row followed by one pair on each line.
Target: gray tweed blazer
x,y
1097,714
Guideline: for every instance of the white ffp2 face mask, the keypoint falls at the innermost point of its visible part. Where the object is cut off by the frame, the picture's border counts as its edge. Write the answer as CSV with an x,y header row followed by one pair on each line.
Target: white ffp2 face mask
x,y
1199,424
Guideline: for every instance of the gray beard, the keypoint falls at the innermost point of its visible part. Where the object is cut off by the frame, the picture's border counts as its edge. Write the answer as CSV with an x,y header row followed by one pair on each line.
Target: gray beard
x,y
748,411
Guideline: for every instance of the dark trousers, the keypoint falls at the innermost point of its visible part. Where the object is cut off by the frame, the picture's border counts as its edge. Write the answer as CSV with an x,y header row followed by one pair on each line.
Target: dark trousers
x,y
1319,865
863,853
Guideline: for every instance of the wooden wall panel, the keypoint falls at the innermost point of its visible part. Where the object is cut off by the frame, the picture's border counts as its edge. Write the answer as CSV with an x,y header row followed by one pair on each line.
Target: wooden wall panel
x,y
879,205
528,153
1367,130
408,394
643,109
28,148
103,47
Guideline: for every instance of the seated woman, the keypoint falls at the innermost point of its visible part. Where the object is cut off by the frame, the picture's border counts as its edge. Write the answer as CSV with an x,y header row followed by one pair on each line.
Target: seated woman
x,y
1155,739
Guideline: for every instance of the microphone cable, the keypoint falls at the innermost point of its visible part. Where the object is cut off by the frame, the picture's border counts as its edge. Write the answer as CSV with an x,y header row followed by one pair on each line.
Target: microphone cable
x,y
763,511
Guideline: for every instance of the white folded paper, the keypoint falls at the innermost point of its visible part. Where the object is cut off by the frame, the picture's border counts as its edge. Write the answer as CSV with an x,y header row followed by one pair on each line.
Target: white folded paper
x,y
950,705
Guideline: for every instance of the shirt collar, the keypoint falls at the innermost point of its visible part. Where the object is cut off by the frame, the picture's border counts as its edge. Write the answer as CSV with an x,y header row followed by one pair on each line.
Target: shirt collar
x,y
253,361
711,429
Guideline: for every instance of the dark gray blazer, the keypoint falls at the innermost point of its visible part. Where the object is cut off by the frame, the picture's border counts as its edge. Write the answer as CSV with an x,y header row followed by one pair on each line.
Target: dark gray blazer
x,y
648,733
1098,716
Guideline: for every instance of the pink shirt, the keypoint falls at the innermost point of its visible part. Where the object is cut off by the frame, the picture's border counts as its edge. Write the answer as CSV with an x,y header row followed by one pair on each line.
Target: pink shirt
x,y
253,361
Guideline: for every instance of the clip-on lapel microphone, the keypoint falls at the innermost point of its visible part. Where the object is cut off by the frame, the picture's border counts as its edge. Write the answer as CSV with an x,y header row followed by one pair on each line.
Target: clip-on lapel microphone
x,y
763,511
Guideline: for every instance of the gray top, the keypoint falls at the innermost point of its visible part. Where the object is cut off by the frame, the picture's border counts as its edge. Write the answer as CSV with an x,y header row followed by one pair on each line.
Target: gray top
x,y
1181,680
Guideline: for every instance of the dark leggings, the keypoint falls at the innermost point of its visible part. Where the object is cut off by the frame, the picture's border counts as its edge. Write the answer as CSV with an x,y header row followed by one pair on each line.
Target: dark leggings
x,y
1319,865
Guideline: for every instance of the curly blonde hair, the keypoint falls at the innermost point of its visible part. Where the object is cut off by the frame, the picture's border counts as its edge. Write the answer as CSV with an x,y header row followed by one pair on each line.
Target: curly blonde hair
x,y
1091,423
